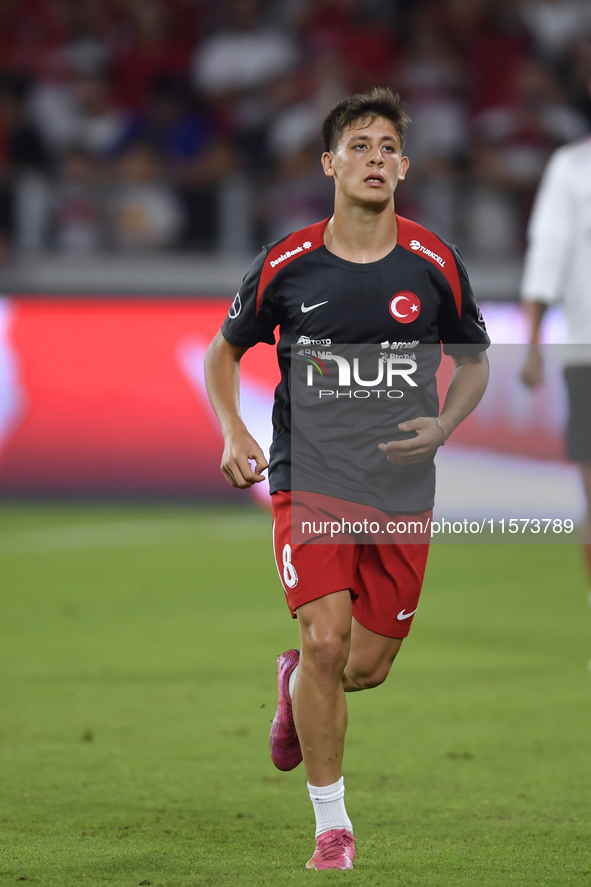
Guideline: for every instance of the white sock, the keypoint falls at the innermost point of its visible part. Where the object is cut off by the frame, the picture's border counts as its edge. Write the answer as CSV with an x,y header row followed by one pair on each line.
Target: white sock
x,y
292,680
329,806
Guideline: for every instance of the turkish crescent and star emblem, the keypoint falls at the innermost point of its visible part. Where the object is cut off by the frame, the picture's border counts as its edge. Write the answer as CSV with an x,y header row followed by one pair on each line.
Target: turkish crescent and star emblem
x,y
405,306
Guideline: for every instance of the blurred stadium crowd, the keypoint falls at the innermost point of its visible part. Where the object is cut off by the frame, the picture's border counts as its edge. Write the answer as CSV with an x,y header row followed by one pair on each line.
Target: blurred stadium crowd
x,y
133,125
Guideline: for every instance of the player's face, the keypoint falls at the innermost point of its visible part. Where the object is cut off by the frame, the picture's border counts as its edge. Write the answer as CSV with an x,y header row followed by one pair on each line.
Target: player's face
x,y
367,163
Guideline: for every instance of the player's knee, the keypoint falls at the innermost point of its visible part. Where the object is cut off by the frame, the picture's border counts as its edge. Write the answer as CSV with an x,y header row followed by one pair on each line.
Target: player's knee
x,y
367,679
327,652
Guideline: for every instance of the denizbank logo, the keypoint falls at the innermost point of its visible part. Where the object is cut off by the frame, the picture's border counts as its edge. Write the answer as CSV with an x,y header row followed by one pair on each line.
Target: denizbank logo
x,y
350,383
289,253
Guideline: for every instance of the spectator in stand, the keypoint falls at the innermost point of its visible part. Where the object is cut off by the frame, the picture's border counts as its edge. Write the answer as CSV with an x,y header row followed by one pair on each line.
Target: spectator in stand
x,y
578,64
53,107
234,68
21,143
30,33
534,123
244,55
89,36
300,101
354,32
156,48
299,195
199,162
77,110
170,122
493,43
144,212
106,74
23,158
98,124
555,25
433,79
78,205
70,85
216,199
513,144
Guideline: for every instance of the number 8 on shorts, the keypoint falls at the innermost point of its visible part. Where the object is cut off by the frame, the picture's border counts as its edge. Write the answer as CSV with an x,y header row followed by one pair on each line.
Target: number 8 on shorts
x,y
290,576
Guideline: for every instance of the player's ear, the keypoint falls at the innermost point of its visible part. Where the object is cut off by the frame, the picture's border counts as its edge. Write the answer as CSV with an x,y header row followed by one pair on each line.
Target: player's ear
x,y
327,161
403,168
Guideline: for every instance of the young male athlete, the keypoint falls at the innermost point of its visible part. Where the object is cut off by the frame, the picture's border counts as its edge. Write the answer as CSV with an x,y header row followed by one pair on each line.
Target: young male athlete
x,y
363,276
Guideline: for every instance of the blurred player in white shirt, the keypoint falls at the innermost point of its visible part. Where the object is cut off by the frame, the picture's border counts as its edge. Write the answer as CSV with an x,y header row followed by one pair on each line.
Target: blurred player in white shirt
x,y
558,267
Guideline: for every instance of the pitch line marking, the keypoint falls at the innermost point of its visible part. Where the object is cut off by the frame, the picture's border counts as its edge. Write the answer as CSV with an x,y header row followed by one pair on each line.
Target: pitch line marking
x,y
133,532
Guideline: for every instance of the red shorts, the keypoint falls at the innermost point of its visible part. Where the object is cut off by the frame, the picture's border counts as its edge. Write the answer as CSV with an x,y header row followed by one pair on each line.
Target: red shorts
x,y
385,580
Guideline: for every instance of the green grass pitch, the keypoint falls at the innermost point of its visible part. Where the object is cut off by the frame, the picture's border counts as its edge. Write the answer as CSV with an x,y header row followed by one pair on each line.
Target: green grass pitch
x,y
137,686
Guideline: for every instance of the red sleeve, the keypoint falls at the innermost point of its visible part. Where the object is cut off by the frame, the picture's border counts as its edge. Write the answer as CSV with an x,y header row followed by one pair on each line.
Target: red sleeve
x,y
248,323
459,320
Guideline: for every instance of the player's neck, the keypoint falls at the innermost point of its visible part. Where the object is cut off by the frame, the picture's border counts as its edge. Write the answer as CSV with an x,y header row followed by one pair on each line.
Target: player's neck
x,y
362,235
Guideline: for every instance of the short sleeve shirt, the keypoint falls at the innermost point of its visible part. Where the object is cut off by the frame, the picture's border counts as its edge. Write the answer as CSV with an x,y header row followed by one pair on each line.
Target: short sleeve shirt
x,y
418,294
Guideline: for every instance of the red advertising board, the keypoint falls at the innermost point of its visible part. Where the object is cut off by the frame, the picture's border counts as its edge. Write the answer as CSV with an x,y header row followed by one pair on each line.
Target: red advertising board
x,y
108,397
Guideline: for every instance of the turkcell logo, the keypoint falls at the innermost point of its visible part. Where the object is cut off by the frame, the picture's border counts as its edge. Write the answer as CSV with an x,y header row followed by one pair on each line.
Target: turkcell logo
x,y
393,370
416,245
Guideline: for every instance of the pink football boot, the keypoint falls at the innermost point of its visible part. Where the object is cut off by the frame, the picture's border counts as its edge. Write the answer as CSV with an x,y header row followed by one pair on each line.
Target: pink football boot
x,y
335,849
285,745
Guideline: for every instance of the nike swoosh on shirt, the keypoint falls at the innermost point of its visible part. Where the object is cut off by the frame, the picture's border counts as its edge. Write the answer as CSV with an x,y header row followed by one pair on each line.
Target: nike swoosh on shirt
x,y
402,615
311,307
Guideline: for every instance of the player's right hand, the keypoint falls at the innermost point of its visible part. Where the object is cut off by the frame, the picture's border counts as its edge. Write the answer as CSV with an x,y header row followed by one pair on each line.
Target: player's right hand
x,y
239,451
532,373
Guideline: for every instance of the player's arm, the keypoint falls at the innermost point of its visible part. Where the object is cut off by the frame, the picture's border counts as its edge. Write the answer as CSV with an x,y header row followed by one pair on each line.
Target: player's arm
x,y
467,386
532,373
222,377
550,234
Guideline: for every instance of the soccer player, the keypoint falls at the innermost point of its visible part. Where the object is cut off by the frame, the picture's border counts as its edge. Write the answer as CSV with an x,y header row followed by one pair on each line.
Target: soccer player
x,y
363,276
558,266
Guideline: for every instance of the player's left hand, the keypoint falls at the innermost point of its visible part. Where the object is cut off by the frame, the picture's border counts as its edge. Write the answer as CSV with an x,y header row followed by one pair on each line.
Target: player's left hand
x,y
429,438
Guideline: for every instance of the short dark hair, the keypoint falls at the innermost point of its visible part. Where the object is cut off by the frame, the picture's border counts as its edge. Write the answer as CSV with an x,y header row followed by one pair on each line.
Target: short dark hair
x,y
366,106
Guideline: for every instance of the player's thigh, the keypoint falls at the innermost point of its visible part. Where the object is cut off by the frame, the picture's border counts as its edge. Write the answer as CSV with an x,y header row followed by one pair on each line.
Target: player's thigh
x,y
312,570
